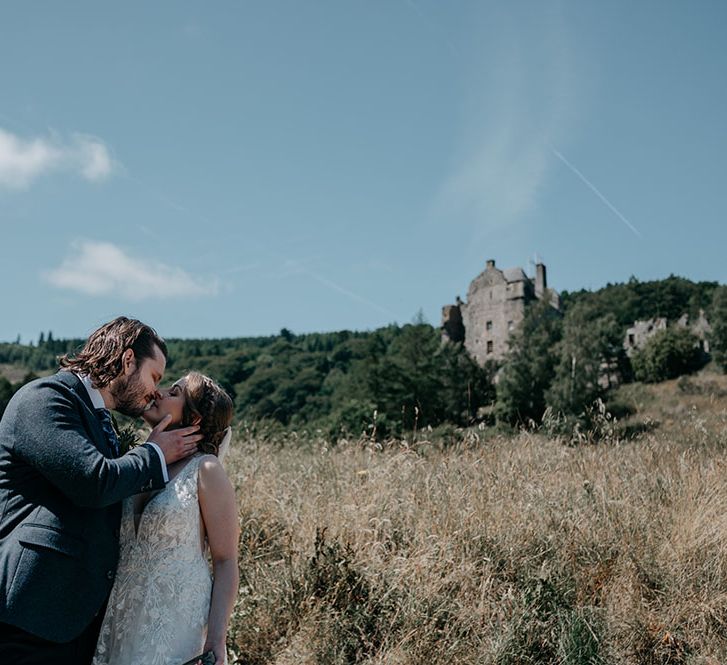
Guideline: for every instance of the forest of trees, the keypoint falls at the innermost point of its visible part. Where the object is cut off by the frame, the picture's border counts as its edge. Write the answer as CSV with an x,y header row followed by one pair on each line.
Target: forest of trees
x,y
400,378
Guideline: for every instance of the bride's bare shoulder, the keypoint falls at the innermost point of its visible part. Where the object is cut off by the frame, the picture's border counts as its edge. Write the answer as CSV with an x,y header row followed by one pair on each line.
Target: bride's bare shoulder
x,y
218,506
212,475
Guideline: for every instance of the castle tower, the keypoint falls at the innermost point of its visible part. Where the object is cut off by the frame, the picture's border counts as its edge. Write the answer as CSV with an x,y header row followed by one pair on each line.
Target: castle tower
x,y
495,306
541,280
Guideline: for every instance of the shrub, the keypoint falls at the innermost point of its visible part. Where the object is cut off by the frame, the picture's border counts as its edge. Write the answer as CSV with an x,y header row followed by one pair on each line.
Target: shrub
x,y
667,355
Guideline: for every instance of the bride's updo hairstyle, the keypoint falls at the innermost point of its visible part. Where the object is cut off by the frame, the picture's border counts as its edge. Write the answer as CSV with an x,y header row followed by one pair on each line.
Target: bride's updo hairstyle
x,y
205,399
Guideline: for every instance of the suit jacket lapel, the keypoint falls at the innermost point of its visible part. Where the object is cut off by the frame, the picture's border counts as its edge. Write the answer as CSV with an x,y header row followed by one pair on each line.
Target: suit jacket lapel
x,y
98,435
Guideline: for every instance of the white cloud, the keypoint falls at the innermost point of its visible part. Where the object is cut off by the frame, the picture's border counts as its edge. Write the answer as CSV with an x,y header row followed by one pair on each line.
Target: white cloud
x,y
22,161
103,269
93,157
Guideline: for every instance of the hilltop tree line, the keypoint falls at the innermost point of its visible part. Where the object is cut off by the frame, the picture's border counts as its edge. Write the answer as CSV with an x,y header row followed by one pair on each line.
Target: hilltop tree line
x,y
400,378
393,379
565,364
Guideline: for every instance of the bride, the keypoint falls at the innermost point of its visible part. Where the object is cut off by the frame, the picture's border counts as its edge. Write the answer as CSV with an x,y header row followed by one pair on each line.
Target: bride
x,y
164,607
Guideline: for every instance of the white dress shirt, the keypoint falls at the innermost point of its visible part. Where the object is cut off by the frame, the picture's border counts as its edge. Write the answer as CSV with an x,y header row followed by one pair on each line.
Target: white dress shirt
x,y
98,403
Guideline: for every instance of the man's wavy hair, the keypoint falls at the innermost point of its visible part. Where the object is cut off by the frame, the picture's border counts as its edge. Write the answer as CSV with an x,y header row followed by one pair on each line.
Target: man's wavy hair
x,y
207,400
100,357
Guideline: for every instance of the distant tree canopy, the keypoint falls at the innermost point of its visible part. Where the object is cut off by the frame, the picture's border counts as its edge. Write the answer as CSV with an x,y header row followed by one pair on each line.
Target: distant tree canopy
x,y
39,358
400,377
391,380
635,300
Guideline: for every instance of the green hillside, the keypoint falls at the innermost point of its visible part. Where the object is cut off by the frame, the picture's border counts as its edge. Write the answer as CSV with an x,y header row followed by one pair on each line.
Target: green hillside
x,y
401,378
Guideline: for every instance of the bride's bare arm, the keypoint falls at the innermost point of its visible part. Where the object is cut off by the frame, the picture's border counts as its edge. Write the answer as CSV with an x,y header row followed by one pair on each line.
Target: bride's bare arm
x,y
219,513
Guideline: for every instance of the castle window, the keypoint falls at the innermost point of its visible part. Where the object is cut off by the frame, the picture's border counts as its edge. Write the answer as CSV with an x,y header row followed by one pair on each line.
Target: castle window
x,y
488,325
489,346
632,340
510,325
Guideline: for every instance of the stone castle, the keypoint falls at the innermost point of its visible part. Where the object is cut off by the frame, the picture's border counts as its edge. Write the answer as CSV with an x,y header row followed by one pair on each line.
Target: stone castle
x,y
496,302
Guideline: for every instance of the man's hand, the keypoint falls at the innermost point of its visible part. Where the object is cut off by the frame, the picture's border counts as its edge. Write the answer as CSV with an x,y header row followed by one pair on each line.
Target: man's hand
x,y
176,444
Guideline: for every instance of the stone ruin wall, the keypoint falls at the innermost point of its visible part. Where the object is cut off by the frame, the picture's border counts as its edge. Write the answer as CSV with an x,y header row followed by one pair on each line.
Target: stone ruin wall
x,y
641,331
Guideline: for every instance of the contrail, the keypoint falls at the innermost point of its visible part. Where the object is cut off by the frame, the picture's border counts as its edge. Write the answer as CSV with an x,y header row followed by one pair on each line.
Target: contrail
x,y
350,294
332,285
163,198
594,189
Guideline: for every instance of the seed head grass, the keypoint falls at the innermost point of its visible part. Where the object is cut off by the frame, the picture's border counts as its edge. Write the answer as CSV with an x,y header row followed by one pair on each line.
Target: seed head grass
x,y
494,549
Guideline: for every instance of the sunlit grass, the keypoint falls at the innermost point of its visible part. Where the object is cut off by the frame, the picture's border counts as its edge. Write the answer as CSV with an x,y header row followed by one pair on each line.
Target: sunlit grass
x,y
496,550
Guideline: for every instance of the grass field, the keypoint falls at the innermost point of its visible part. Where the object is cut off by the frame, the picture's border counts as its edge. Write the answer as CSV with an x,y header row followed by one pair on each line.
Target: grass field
x,y
490,549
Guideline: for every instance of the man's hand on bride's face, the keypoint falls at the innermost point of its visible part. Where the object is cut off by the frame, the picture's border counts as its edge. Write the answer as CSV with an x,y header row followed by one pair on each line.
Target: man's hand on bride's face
x,y
175,444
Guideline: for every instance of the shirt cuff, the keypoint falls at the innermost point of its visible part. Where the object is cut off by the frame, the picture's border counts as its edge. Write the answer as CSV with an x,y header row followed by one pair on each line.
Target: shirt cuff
x,y
161,459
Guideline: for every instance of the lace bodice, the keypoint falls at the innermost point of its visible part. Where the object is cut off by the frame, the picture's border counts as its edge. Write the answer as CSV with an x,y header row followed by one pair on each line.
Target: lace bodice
x,y
158,608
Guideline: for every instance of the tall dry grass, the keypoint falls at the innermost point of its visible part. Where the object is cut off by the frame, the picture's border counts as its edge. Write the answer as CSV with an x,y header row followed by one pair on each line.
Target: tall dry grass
x,y
494,550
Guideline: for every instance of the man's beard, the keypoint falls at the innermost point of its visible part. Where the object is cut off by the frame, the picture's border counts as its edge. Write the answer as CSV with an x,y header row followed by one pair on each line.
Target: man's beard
x,y
129,395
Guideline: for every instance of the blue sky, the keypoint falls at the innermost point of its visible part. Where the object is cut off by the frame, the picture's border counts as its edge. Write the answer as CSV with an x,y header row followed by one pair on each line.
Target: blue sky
x,y
232,168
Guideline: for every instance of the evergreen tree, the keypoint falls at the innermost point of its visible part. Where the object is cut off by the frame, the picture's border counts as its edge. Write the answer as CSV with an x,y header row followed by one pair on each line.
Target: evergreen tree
x,y
405,384
465,386
529,366
591,347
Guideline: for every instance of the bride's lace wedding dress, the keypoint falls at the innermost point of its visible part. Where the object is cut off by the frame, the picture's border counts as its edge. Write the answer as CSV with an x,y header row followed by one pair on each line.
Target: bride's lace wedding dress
x,y
158,608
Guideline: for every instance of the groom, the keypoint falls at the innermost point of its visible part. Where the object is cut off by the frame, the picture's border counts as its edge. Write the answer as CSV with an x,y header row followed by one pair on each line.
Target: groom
x,y
61,482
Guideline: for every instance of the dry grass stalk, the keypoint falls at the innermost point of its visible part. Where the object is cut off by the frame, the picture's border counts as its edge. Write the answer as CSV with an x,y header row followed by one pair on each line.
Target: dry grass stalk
x,y
501,550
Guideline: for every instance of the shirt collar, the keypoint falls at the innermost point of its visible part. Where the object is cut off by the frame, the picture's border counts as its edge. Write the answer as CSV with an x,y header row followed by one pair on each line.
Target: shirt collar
x,y
93,393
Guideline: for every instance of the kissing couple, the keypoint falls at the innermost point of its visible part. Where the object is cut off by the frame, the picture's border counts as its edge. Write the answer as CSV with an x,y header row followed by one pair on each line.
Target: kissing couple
x,y
104,555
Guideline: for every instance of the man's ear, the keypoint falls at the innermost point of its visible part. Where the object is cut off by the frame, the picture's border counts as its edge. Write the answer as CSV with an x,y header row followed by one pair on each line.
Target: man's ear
x,y
128,362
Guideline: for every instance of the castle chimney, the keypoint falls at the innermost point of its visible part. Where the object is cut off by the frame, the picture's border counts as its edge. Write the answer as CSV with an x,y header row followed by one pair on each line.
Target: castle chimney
x,y
541,281
491,264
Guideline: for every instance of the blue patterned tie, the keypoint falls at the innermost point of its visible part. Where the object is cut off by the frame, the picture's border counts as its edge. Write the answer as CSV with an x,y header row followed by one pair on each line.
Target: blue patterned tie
x,y
104,417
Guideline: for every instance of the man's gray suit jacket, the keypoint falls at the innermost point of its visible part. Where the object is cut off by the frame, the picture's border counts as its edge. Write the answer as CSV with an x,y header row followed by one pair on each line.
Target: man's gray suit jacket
x,y
60,493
